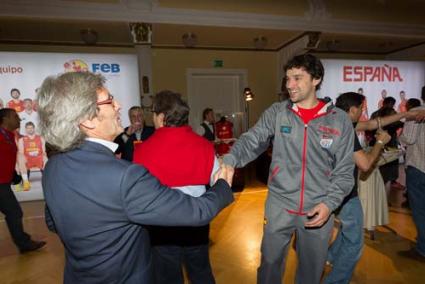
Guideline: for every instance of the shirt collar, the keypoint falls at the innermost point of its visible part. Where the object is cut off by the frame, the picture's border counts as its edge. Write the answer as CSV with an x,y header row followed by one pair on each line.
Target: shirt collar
x,y
110,145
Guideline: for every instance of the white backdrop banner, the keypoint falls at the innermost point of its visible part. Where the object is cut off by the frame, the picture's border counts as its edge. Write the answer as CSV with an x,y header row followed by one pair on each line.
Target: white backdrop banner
x,y
26,71
373,77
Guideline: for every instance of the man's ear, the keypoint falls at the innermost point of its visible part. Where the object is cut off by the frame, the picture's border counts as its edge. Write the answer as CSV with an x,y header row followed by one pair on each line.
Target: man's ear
x,y
161,119
88,123
351,111
316,81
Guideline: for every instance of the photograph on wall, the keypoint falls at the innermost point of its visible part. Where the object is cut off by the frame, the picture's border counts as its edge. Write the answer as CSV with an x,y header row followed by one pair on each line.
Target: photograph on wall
x,y
21,75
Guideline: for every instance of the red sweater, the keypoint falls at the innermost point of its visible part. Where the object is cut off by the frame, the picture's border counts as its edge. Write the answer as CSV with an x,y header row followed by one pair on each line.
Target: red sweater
x,y
176,156
8,151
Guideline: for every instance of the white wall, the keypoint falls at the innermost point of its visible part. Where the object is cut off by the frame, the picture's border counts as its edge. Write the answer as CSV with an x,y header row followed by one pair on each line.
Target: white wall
x,y
373,76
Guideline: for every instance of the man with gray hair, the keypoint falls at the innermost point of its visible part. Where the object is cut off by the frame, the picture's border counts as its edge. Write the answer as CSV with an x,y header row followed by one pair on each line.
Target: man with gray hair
x,y
97,203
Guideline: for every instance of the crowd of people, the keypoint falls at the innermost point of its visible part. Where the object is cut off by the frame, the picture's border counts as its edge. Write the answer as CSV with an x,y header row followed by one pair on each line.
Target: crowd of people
x,y
134,205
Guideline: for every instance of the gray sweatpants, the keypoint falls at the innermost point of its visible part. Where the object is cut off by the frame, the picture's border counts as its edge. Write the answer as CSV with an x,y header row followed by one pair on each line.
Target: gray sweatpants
x,y
311,246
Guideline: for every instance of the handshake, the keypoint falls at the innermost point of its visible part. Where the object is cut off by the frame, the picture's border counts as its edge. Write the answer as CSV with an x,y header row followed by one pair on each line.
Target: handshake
x,y
225,172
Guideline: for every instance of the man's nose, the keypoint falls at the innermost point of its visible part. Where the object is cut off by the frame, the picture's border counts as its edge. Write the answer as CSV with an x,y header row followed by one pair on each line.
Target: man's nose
x,y
289,84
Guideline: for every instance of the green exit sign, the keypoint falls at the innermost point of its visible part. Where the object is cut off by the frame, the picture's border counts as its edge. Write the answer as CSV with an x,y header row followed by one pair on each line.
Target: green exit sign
x,y
218,63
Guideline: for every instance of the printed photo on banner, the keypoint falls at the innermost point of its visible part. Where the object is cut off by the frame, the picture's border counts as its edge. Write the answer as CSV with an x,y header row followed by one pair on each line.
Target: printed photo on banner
x,y
21,74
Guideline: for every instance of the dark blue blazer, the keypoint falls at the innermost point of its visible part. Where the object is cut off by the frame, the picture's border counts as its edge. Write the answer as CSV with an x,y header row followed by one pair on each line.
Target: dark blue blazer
x,y
97,205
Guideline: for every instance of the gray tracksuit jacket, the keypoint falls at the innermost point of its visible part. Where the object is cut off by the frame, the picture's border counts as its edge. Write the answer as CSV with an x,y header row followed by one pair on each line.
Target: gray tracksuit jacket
x,y
311,163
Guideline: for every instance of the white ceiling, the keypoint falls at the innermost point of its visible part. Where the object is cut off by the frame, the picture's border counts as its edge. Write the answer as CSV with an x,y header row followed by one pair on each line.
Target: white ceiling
x,y
381,27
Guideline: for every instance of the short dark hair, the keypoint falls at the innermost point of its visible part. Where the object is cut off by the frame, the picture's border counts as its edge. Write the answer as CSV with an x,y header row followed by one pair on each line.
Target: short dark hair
x,y
139,108
310,63
174,108
388,102
350,99
5,112
411,103
423,94
30,123
15,90
205,112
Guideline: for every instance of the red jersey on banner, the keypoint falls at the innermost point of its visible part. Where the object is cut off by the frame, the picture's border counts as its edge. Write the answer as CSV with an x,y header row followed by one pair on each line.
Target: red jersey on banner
x,y
18,106
33,152
402,106
365,115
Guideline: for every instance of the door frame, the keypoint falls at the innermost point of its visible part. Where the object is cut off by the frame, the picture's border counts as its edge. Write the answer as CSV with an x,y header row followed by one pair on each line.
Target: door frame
x,y
241,73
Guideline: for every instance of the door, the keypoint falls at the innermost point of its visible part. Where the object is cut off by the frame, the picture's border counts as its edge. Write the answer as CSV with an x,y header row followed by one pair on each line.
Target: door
x,y
220,90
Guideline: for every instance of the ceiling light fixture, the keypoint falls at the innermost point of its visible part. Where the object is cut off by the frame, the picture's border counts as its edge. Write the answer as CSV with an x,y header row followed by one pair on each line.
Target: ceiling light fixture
x,y
89,36
260,42
189,40
313,40
332,45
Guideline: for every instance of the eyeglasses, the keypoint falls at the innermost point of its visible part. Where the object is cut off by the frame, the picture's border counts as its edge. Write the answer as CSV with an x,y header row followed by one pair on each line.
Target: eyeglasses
x,y
108,101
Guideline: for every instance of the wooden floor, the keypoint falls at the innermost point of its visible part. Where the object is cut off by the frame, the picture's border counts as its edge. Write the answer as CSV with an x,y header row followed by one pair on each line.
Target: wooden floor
x,y
235,250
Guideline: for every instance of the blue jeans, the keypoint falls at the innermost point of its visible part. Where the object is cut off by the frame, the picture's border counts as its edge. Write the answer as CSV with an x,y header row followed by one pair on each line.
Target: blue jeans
x,y
415,183
346,250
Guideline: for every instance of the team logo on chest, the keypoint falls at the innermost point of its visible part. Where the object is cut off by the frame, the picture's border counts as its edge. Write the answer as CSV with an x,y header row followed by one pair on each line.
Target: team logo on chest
x,y
286,129
326,141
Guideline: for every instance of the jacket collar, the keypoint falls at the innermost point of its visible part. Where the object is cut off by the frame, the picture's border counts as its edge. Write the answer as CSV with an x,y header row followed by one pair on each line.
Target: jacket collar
x,y
326,108
111,145
89,145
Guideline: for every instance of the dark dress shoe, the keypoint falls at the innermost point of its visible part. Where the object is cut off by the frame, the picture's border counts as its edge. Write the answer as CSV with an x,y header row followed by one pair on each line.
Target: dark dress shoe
x,y
412,254
32,246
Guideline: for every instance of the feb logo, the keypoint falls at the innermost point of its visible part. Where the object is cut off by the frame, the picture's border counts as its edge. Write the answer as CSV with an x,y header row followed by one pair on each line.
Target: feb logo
x,y
112,68
76,65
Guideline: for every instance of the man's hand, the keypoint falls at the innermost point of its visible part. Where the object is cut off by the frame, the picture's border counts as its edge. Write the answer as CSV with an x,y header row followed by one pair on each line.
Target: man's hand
x,y
133,128
416,114
420,117
225,172
319,215
382,135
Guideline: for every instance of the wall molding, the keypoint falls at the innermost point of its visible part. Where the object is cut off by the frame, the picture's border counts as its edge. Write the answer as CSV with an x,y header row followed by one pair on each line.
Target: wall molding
x,y
150,11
